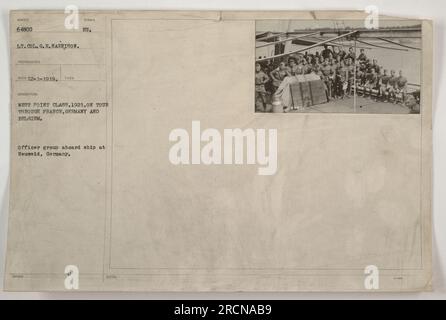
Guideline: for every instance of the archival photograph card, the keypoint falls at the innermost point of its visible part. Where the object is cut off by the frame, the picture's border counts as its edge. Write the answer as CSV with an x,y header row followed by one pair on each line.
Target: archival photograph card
x,y
219,151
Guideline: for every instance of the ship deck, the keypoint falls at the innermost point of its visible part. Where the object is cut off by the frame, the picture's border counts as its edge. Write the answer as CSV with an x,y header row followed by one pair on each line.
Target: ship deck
x,y
363,105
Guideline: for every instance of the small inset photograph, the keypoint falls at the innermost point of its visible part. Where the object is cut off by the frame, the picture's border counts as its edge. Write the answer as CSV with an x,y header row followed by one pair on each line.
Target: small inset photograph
x,y
338,66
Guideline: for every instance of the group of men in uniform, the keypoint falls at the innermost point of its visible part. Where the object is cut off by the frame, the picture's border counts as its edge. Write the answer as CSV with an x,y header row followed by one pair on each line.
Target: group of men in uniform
x,y
336,68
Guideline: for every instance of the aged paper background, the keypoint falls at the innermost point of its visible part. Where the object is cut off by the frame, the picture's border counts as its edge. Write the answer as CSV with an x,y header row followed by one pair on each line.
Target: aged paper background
x,y
351,190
